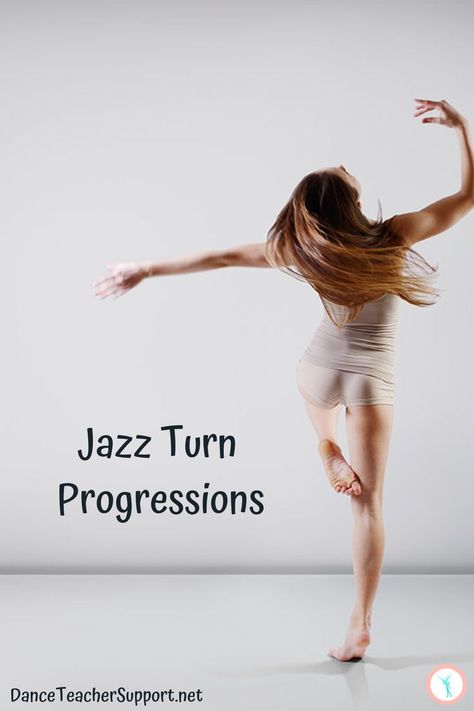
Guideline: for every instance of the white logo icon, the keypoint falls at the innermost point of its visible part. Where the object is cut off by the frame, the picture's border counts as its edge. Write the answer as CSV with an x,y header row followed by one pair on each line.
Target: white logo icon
x,y
446,684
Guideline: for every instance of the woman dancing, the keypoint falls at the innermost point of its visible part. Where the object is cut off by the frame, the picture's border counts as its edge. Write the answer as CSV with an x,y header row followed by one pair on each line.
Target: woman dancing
x,y
360,269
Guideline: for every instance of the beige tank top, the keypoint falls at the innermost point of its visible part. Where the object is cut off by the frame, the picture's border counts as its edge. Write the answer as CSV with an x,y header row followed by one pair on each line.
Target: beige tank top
x,y
366,345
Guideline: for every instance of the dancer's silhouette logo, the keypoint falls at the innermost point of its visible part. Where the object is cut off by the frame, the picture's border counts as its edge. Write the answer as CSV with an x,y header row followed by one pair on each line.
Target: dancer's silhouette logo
x,y
446,684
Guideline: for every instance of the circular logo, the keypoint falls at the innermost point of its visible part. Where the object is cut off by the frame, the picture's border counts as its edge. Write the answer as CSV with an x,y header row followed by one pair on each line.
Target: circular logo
x,y
446,684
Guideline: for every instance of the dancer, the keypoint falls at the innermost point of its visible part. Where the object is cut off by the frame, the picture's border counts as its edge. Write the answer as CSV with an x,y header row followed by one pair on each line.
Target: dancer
x,y
360,269
447,684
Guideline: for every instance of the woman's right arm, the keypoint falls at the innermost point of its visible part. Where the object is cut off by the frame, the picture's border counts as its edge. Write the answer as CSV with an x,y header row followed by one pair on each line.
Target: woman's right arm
x,y
444,213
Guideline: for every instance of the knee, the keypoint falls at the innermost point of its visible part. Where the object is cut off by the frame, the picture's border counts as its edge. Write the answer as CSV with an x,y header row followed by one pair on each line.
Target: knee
x,y
368,503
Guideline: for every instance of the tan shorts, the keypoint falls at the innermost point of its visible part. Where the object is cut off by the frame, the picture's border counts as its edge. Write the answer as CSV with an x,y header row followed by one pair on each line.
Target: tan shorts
x,y
327,387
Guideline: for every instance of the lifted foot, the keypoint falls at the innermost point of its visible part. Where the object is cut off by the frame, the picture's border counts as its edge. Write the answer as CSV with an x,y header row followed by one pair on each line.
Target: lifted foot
x,y
341,476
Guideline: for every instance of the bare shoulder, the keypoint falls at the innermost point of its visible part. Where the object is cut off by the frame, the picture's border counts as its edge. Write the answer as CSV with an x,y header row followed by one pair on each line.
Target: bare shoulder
x,y
396,225
400,225
435,218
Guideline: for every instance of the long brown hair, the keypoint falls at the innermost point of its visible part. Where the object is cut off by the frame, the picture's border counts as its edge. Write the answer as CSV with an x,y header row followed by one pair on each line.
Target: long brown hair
x,y
346,258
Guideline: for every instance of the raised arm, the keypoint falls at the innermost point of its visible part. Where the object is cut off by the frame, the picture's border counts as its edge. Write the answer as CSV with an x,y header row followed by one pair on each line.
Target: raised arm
x,y
444,213
124,276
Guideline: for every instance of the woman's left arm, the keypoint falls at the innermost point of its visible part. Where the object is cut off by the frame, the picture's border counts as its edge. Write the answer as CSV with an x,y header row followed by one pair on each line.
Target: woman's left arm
x,y
124,276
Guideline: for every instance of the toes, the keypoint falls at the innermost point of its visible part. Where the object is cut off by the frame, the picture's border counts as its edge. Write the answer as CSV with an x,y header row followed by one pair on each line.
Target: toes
x,y
349,489
356,487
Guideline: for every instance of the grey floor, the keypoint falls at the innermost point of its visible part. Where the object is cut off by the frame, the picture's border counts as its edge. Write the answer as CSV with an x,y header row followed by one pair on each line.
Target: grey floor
x,y
249,642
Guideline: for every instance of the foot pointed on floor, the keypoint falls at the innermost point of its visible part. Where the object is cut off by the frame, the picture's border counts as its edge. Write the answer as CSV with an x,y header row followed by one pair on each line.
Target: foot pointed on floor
x,y
356,642
341,476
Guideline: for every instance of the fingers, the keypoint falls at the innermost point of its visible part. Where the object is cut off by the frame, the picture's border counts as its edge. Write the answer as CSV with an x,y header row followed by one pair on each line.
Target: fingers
x,y
104,281
424,106
105,293
429,101
118,270
113,291
418,112
107,278
117,282
109,285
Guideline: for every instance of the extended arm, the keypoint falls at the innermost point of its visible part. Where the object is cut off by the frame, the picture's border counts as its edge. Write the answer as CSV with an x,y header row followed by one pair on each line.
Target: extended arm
x,y
124,276
247,255
444,213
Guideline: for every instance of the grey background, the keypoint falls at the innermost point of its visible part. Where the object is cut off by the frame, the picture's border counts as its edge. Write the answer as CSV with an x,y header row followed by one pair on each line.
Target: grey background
x,y
140,130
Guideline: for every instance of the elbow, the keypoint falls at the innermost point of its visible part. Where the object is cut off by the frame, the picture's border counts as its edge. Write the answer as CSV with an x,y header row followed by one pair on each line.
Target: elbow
x,y
247,256
469,196
218,260
235,258
230,258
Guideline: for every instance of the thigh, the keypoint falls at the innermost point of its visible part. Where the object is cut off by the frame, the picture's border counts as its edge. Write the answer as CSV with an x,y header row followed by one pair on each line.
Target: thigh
x,y
324,420
369,429
319,388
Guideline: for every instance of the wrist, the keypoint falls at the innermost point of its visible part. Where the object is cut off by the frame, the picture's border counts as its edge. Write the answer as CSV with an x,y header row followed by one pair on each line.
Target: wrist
x,y
146,269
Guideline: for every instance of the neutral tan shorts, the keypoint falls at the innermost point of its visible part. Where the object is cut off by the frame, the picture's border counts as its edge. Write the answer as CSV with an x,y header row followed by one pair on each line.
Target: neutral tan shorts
x,y
328,387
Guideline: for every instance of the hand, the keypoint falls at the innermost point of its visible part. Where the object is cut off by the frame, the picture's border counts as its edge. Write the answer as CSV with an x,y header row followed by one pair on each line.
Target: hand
x,y
121,278
448,114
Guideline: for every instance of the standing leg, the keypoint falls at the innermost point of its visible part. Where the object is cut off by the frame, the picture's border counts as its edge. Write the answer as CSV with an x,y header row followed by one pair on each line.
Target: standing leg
x,y
369,430
341,476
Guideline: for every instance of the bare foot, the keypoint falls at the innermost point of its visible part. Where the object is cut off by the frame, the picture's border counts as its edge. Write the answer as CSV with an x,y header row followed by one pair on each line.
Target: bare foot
x,y
356,642
341,476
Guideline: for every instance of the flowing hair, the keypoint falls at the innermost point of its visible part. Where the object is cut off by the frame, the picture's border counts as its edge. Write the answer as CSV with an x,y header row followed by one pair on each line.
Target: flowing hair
x,y
346,258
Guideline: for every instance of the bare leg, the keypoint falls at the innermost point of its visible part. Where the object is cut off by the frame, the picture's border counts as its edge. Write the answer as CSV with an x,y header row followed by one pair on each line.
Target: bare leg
x,y
324,420
369,430
341,476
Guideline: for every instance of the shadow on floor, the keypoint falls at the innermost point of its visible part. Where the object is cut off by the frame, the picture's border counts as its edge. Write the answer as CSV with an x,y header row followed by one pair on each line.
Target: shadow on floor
x,y
354,671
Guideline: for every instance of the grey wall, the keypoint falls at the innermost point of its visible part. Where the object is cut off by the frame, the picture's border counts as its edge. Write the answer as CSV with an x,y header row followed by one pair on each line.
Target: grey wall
x,y
139,130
